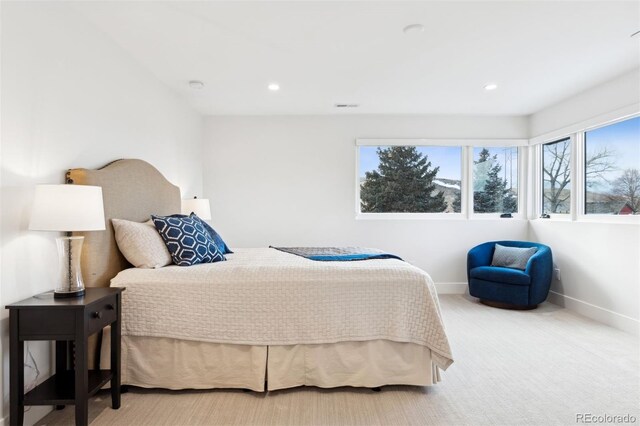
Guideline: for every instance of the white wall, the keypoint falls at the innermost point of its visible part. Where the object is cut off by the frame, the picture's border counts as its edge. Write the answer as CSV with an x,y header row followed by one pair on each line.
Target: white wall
x,y
599,262
599,269
610,96
290,180
72,98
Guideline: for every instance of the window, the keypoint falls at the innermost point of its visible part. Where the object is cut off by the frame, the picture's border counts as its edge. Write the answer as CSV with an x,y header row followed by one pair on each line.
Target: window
x,y
495,180
410,179
556,176
612,169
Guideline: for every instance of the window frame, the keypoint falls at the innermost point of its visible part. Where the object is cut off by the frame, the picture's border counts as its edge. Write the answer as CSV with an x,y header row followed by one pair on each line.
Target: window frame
x,y
540,178
466,174
530,176
522,178
581,173
577,134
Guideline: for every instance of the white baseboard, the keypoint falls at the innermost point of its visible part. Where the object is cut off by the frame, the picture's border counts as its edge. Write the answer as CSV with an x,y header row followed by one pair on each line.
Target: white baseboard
x,y
34,414
451,288
611,318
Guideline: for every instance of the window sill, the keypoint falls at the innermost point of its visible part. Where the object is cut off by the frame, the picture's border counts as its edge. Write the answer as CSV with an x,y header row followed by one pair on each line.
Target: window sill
x,y
618,220
438,216
410,216
626,220
496,217
553,218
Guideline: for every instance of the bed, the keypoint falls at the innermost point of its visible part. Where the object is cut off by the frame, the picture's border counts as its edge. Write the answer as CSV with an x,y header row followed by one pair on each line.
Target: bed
x,y
264,319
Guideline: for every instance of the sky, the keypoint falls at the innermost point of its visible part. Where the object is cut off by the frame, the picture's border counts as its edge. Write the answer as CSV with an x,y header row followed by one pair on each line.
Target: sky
x,y
623,139
448,158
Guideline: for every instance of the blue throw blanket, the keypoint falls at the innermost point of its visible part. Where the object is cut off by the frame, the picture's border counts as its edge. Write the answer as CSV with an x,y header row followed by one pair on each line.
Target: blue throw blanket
x,y
337,253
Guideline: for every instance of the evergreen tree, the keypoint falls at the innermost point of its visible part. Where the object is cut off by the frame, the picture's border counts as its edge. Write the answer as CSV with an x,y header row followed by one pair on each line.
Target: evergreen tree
x,y
457,202
489,200
494,196
481,169
510,201
403,182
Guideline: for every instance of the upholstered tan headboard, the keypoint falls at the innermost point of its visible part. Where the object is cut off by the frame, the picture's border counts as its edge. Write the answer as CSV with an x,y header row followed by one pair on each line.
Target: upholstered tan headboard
x,y
132,190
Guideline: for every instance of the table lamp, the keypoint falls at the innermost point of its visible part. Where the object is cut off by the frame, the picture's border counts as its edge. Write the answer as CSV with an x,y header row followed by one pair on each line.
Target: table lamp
x,y
199,206
67,208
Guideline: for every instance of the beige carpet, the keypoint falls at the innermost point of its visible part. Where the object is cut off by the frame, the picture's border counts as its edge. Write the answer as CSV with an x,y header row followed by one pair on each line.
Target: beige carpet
x,y
538,367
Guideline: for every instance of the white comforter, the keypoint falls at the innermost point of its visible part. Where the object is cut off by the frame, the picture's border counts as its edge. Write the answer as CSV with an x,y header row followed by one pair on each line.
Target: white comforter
x,y
267,297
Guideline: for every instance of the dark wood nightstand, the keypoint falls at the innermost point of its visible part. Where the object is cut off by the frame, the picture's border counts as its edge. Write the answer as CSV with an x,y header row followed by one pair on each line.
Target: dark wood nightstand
x,y
69,322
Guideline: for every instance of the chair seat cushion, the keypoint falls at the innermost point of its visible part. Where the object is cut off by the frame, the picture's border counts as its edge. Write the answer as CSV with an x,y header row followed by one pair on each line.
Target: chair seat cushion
x,y
500,275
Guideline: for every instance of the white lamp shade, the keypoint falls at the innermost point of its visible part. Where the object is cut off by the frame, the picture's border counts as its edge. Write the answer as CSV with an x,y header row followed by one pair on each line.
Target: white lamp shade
x,y
67,208
199,206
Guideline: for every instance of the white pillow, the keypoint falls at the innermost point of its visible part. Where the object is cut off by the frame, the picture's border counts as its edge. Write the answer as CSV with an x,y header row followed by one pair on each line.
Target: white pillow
x,y
141,244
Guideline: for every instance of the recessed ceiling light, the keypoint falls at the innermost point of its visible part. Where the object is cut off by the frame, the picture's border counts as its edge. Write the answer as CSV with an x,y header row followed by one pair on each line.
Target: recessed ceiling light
x,y
346,105
635,34
490,86
413,28
274,87
196,84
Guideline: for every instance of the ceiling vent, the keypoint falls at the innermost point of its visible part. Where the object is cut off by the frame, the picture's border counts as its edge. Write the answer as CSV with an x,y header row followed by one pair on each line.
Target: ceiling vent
x,y
347,105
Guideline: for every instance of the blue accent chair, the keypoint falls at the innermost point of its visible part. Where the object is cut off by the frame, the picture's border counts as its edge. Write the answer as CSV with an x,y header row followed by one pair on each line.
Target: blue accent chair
x,y
505,287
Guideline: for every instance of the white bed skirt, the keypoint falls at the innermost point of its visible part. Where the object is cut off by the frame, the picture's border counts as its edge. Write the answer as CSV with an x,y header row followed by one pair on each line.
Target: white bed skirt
x,y
159,362
360,364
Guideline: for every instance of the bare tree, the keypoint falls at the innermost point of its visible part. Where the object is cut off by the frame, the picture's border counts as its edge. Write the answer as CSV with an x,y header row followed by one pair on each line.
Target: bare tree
x,y
627,188
557,174
557,171
598,164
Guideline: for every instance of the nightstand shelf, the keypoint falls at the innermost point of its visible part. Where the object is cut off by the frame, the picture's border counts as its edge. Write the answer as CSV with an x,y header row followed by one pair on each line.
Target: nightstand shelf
x,y
59,389
69,322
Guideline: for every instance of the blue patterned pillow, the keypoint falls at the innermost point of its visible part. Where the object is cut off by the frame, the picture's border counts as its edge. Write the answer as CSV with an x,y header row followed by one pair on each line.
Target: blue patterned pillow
x,y
187,240
224,249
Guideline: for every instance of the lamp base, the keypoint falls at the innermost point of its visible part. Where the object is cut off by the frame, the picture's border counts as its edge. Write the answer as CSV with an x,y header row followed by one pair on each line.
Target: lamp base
x,y
70,283
67,294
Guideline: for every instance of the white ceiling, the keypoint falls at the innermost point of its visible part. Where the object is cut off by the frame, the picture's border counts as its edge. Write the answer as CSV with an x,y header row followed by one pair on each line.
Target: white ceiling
x,y
322,53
